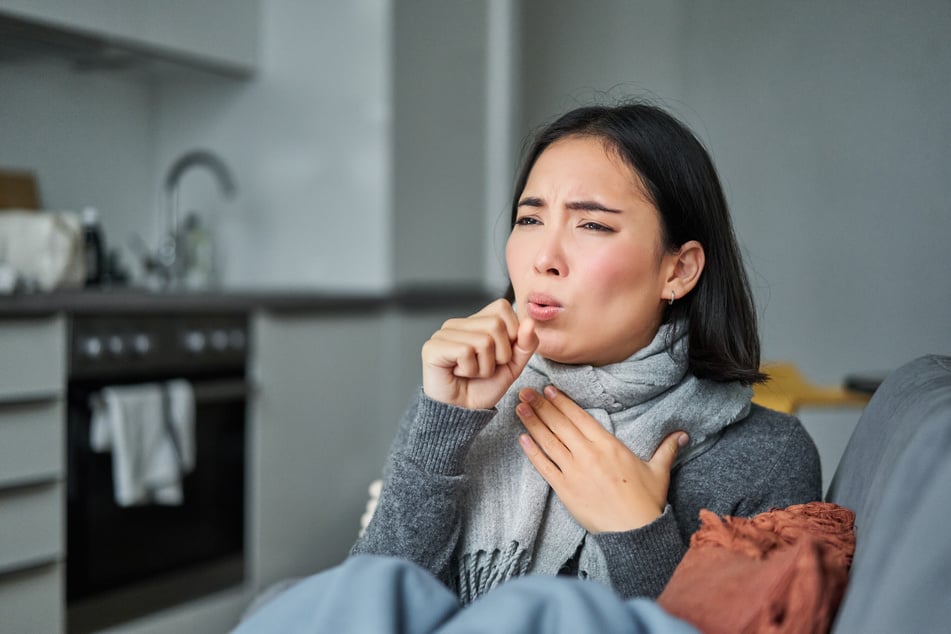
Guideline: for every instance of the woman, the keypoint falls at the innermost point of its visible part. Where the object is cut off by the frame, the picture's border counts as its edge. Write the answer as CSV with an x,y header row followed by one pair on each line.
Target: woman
x,y
580,430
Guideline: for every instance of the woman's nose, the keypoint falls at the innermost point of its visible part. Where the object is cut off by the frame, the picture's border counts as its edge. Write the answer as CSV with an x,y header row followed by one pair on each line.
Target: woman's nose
x,y
550,258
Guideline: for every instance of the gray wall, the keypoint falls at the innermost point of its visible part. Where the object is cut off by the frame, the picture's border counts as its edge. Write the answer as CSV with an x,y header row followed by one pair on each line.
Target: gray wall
x,y
439,137
308,139
87,137
829,124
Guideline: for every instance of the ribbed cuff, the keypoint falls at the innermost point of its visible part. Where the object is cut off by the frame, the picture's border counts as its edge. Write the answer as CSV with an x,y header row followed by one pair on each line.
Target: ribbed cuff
x,y
441,435
641,561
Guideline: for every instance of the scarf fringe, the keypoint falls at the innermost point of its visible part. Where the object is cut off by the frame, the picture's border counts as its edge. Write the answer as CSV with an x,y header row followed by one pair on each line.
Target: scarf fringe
x,y
482,570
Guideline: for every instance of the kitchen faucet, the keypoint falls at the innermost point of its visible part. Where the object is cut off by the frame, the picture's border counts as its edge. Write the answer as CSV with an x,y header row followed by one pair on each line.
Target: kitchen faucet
x,y
169,261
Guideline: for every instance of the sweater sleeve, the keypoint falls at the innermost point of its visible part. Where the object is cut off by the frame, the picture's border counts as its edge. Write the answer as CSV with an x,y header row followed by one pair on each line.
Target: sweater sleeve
x,y
641,561
418,514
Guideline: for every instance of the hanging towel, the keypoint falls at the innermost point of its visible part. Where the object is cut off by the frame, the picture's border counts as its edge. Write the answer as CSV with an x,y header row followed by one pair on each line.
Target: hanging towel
x,y
150,430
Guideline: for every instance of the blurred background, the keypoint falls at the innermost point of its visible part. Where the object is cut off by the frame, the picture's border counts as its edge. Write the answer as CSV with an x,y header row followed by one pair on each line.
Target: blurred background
x,y
373,144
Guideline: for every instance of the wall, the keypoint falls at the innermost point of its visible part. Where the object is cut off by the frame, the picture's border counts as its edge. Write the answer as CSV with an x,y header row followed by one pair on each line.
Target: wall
x,y
309,141
372,149
86,135
828,123
574,52
439,141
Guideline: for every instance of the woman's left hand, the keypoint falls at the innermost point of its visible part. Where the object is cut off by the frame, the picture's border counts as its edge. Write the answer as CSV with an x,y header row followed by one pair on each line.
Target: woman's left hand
x,y
601,482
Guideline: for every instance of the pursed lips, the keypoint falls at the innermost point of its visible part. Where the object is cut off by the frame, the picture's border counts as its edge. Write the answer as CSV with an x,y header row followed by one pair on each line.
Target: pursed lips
x,y
543,307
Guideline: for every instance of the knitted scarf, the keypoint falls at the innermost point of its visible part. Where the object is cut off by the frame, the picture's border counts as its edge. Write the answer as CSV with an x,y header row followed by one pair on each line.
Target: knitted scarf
x,y
514,524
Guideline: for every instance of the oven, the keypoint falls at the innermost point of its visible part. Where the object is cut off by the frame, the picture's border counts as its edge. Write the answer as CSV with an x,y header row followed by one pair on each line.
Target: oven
x,y
123,562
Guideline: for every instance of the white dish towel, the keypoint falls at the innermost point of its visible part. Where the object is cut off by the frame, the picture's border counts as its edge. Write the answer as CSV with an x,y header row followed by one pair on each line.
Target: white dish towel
x,y
150,430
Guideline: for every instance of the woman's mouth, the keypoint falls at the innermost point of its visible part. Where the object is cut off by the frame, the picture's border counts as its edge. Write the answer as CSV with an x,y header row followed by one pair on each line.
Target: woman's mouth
x,y
543,308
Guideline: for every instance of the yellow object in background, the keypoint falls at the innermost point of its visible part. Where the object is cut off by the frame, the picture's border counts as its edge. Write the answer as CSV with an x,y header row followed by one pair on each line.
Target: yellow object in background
x,y
787,391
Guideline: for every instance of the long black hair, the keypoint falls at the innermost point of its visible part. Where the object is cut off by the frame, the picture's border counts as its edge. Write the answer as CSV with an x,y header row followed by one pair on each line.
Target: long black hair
x,y
681,181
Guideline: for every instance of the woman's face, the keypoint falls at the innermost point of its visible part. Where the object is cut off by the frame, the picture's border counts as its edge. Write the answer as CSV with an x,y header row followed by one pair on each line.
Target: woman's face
x,y
585,256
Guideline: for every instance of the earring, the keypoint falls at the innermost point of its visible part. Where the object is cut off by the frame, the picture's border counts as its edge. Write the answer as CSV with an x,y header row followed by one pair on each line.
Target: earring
x,y
673,296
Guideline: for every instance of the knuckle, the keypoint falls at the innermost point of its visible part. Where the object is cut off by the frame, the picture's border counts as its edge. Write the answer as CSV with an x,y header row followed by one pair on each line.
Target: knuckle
x,y
485,342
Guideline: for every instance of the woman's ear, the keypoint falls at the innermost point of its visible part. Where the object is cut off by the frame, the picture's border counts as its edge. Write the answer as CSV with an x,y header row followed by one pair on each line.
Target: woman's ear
x,y
684,267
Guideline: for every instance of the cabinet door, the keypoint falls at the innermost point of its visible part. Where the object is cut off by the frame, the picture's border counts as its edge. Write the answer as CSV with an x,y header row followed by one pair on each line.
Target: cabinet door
x,y
88,16
220,34
32,600
32,358
32,442
318,440
31,526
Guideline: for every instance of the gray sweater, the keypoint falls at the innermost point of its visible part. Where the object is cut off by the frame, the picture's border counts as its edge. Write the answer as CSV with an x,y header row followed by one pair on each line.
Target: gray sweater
x,y
764,461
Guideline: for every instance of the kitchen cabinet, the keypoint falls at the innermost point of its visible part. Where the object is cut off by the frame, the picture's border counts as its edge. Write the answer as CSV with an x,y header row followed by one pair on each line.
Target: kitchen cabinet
x,y
330,378
330,390
317,436
32,485
221,35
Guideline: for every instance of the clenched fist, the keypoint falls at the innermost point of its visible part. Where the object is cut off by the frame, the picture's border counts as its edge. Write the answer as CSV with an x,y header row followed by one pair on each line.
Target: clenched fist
x,y
471,361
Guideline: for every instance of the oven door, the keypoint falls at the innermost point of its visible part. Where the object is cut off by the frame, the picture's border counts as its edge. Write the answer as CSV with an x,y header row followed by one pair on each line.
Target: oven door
x,y
124,562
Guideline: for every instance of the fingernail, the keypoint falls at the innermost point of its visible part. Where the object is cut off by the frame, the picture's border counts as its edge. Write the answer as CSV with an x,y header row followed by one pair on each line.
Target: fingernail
x,y
525,441
527,395
683,440
550,391
523,410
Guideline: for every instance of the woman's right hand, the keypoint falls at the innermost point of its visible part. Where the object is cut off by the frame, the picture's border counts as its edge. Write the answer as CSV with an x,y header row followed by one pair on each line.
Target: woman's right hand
x,y
471,361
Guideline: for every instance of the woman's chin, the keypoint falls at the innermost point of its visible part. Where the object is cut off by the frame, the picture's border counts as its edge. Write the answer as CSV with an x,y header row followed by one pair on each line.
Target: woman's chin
x,y
558,354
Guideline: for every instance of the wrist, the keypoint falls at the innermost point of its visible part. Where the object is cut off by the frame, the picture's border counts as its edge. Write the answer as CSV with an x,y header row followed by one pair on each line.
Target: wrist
x,y
442,433
636,518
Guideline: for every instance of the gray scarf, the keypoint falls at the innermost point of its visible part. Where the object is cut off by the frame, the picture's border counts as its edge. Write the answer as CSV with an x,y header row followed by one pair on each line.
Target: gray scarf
x,y
513,523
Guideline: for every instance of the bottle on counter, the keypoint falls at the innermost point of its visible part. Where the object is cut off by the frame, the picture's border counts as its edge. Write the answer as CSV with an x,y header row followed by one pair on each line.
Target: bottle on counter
x,y
94,247
201,271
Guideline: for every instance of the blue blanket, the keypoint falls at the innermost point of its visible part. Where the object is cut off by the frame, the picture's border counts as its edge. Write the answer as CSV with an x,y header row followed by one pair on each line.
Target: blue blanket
x,y
386,595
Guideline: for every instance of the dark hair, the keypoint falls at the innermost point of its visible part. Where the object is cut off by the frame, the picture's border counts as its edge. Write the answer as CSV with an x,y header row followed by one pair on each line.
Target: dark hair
x,y
680,180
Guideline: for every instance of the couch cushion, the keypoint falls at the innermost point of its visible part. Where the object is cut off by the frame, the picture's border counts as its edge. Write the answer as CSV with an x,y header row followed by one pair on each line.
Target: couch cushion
x,y
896,475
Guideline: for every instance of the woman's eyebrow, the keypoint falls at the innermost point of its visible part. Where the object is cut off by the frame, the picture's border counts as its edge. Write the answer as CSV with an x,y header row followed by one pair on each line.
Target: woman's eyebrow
x,y
531,201
590,205
580,205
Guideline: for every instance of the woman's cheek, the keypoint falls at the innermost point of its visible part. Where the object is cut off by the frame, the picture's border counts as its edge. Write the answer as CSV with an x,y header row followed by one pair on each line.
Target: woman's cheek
x,y
517,260
605,273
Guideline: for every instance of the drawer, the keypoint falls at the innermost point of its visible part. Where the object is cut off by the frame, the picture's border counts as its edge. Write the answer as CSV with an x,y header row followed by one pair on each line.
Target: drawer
x,y
32,441
32,600
31,525
32,357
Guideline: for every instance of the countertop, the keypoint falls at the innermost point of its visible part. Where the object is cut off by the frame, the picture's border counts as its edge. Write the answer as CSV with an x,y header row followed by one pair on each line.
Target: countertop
x,y
111,301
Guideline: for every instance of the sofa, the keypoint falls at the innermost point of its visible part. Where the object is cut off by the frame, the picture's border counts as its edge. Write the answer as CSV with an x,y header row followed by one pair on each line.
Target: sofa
x,y
895,474
874,556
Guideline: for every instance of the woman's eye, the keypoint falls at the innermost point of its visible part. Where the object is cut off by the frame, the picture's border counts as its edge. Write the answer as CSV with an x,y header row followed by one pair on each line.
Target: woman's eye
x,y
594,226
526,220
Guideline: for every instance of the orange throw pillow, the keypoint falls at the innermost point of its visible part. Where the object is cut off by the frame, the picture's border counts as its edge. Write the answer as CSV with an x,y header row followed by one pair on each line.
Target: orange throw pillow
x,y
781,571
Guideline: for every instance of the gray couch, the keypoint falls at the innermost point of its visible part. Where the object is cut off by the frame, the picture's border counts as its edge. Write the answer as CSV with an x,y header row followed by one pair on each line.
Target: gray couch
x,y
896,475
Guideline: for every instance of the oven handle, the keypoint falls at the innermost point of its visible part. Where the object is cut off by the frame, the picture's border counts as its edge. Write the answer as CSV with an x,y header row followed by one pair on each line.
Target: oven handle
x,y
220,390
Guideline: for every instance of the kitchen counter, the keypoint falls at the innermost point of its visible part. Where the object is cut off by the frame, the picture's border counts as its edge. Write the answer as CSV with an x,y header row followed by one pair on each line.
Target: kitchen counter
x,y
130,300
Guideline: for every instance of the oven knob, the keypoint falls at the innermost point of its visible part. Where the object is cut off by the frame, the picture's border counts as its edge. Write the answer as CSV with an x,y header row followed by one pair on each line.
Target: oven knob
x,y
195,341
141,344
115,345
91,347
236,339
219,340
